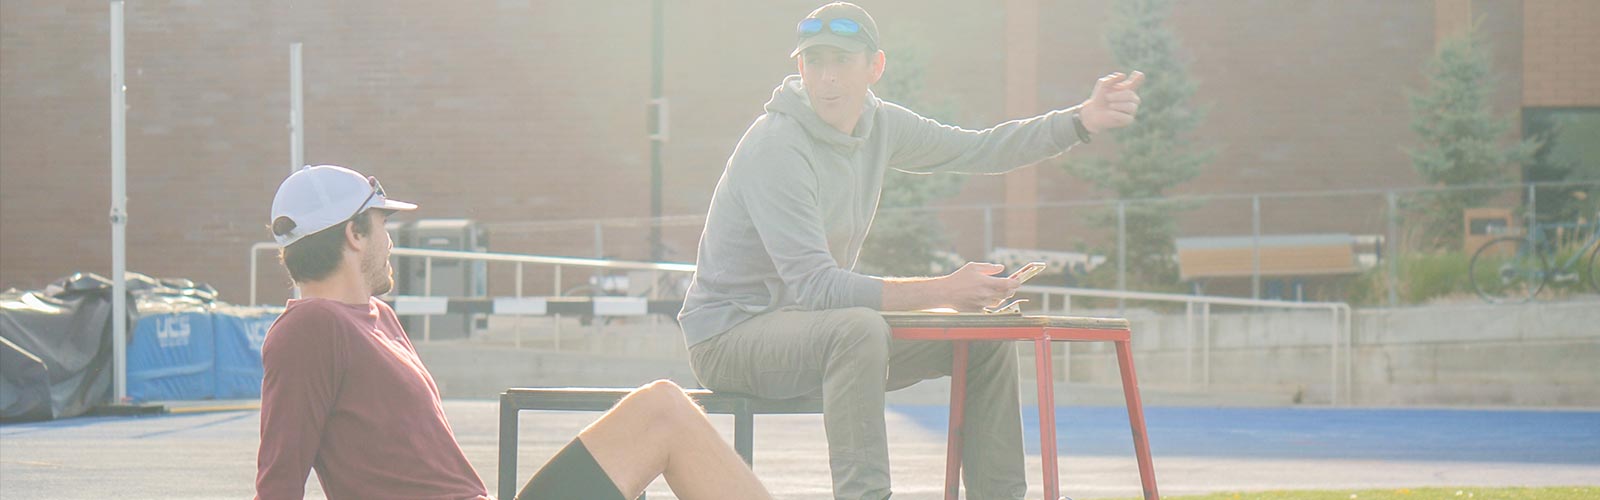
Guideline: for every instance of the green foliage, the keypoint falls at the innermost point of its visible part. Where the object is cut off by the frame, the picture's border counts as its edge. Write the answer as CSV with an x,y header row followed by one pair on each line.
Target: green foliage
x,y
1423,278
1459,137
1445,276
905,241
1155,153
1428,277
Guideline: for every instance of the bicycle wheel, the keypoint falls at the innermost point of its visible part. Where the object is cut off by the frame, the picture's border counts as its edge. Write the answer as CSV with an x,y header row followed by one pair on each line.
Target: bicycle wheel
x,y
1508,271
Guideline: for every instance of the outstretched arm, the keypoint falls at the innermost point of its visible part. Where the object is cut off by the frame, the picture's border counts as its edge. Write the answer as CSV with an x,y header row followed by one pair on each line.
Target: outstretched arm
x,y
922,145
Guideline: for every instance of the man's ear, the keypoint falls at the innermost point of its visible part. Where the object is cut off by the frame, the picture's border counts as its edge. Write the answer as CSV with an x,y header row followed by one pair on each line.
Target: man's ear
x,y
353,240
878,62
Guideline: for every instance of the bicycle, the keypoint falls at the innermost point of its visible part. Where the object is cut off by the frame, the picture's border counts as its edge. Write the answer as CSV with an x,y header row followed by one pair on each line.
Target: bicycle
x,y
1513,269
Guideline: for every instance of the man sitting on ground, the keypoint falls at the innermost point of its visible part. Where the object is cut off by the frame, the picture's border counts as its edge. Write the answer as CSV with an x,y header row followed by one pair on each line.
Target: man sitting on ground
x,y
345,393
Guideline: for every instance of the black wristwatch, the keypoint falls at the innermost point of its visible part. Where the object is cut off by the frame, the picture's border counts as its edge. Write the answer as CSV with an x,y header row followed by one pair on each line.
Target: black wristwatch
x,y
1077,124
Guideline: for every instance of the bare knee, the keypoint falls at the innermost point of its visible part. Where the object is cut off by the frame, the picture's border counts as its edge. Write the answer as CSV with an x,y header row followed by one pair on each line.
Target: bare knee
x,y
665,401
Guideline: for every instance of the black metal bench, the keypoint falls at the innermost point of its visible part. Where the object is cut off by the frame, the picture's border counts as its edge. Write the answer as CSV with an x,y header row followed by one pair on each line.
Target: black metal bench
x,y
743,407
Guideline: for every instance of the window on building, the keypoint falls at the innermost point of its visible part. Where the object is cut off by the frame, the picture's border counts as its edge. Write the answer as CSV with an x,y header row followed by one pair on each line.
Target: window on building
x,y
1570,153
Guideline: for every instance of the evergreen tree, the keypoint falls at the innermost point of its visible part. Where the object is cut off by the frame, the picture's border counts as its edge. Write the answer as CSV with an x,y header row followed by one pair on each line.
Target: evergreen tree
x,y
1154,154
1459,138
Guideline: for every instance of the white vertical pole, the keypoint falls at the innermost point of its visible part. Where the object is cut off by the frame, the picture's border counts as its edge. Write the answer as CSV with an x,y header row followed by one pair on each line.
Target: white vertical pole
x,y
1255,247
1333,362
1188,343
119,210
297,144
1205,346
1122,255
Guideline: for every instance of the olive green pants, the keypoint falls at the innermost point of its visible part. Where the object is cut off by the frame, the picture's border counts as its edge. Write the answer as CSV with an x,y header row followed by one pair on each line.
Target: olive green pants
x,y
848,358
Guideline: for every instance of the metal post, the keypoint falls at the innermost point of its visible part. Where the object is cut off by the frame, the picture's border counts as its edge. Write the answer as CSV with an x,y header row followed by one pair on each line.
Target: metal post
x,y
652,294
508,446
516,324
427,291
1066,362
988,231
1391,251
1349,357
119,208
1188,343
1333,365
1205,345
1205,353
297,144
557,317
1255,254
660,136
599,242
1122,254
253,253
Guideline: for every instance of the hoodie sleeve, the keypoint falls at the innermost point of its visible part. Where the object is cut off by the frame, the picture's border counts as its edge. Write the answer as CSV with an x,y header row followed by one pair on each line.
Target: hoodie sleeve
x,y
922,145
779,191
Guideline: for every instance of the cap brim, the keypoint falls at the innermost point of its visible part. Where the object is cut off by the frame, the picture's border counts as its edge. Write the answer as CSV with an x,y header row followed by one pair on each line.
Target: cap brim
x,y
395,205
848,44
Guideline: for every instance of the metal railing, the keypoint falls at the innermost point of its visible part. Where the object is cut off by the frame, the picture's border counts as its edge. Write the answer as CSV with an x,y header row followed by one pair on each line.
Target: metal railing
x,y
1340,320
1386,212
518,260
1340,312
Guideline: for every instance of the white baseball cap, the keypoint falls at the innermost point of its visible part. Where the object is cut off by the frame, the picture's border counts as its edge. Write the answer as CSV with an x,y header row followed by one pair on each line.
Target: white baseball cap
x,y
319,197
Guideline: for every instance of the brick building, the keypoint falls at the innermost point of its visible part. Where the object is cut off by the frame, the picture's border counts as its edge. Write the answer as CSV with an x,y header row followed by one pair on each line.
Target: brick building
x,y
516,113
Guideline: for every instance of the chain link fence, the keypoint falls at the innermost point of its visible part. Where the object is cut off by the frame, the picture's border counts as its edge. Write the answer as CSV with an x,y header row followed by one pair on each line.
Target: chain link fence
x,y
1377,247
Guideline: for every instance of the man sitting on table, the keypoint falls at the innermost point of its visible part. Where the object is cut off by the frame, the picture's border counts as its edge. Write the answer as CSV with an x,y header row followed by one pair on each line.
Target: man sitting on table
x,y
345,393
775,309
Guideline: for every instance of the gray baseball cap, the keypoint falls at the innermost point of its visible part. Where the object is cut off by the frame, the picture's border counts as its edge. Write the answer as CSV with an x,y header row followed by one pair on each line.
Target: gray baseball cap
x,y
840,24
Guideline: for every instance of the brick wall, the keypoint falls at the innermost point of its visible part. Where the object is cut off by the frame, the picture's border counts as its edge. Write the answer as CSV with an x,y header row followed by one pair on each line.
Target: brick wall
x,y
519,111
1561,53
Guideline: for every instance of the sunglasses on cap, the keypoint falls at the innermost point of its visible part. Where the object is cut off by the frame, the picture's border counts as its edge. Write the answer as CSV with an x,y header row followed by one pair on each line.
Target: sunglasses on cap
x,y
283,225
377,190
812,26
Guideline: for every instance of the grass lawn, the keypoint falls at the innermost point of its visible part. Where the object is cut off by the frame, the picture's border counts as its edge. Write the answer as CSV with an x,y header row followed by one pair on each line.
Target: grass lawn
x,y
1464,493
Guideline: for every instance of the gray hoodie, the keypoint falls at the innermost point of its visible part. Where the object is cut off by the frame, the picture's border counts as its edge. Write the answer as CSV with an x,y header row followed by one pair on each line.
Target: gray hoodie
x,y
795,201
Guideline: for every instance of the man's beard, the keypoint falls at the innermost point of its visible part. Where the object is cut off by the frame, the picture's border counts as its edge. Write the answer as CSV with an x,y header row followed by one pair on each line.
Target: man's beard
x,y
375,271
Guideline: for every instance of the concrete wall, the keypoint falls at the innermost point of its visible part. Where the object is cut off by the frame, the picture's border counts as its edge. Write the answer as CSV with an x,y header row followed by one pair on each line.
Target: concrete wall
x,y
1528,355
1536,355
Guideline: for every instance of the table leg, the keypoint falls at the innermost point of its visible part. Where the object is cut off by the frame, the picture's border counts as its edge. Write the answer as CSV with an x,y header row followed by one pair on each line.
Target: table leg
x,y
958,407
508,447
1047,418
1141,442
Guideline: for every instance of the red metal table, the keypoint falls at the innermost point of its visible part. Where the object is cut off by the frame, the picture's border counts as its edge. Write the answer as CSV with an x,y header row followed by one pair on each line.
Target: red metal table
x,y
961,329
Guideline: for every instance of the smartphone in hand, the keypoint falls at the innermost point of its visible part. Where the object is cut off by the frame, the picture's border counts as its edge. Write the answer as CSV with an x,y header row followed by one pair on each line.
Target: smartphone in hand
x,y
1027,271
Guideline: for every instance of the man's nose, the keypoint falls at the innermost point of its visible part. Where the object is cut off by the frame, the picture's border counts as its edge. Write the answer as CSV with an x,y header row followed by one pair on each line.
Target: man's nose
x,y
829,72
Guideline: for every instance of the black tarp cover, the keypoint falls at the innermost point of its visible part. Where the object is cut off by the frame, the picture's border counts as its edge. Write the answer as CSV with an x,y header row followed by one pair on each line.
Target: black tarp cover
x,y
60,336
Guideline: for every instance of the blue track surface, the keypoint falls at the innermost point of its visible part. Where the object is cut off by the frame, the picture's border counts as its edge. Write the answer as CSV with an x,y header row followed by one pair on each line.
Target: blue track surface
x,y
1566,437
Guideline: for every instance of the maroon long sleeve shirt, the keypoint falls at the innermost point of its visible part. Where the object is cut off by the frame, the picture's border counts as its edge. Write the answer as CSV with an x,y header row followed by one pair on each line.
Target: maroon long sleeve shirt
x,y
345,394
